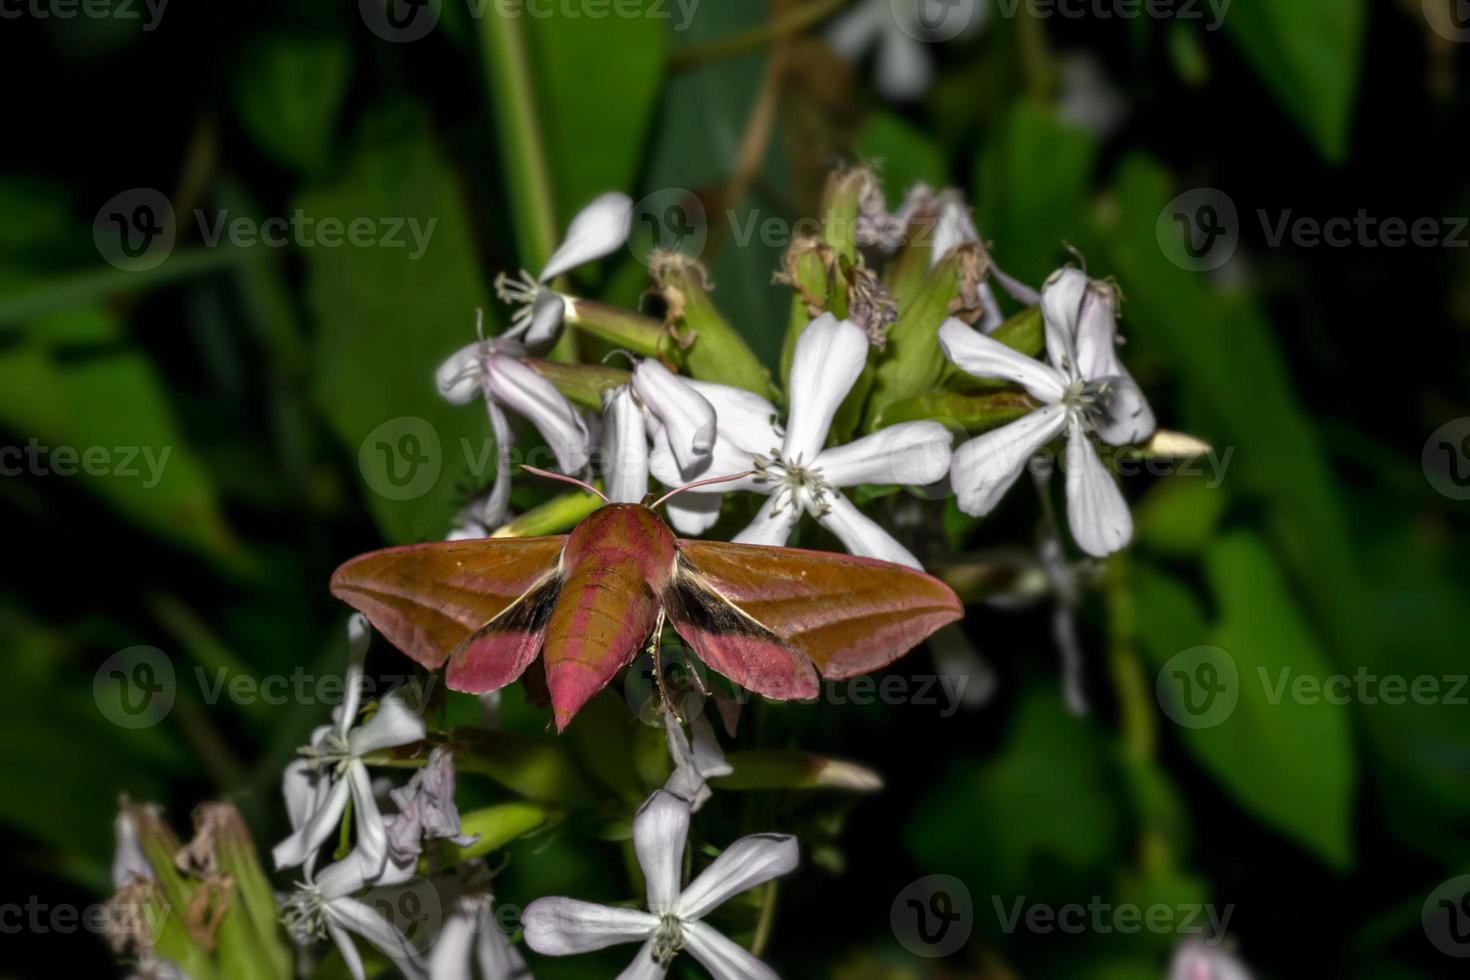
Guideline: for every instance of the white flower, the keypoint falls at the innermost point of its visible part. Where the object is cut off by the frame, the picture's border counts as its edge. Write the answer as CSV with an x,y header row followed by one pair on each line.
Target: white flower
x,y
696,756
493,369
323,906
129,863
425,809
599,229
317,787
472,936
1197,960
1084,389
793,468
901,31
654,401
561,926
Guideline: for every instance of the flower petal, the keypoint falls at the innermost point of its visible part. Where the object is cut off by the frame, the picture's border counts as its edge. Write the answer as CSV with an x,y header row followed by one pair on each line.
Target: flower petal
x,y
562,926
985,357
907,454
860,535
693,513
599,229
1127,418
1061,304
304,788
394,724
498,958
744,418
829,358
904,70
985,467
726,459
953,227
370,924
855,31
1096,337
748,862
372,834
350,956
450,957
645,966
531,396
547,314
725,960
458,378
302,845
687,416
768,526
660,829
1096,511
624,447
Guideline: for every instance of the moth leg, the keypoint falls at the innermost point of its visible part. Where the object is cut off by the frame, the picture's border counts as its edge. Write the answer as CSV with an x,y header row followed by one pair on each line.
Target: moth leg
x,y
655,647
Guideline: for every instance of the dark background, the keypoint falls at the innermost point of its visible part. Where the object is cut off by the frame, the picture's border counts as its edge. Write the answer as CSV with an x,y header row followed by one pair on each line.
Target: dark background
x,y
1326,369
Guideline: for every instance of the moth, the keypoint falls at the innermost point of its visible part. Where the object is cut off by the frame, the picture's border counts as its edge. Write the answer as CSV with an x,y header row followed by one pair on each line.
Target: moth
x,y
770,619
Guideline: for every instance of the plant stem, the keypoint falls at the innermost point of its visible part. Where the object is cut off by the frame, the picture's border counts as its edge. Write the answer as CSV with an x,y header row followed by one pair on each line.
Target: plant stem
x,y
767,920
784,26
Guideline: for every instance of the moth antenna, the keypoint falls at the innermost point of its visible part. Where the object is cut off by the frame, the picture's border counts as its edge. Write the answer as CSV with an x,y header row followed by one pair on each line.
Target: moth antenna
x,y
566,479
620,352
708,481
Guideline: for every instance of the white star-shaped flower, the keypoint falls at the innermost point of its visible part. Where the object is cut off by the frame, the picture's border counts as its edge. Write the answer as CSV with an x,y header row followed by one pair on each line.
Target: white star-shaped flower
x,y
655,401
1083,390
792,467
562,926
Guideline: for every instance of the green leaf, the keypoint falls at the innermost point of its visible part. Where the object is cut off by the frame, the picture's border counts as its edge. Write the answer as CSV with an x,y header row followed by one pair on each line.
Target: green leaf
x,y
1031,183
495,826
287,91
595,121
765,769
718,353
1307,52
913,362
539,769
386,319
901,155
1286,759
105,422
1178,516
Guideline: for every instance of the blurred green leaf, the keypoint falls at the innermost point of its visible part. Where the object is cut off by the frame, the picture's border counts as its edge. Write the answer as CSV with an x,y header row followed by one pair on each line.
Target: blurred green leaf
x,y
900,155
387,317
1286,759
287,91
1308,53
1178,516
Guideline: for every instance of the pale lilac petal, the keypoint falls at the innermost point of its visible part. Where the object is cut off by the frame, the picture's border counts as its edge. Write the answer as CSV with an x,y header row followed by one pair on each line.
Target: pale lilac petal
x,y
911,453
1127,419
458,378
660,829
532,397
952,228
693,513
693,763
1061,305
985,467
725,960
993,317
394,724
370,924
985,357
687,416
830,356
372,834
1096,335
750,861
450,957
726,459
547,314
860,535
599,229
624,447
305,790
743,418
1197,960
563,926
358,638
1096,511
859,28
644,966
497,504
302,845
498,958
904,69
350,956
129,863
768,526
